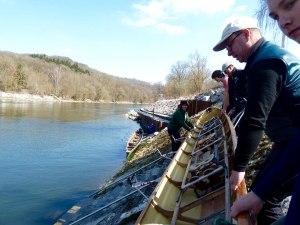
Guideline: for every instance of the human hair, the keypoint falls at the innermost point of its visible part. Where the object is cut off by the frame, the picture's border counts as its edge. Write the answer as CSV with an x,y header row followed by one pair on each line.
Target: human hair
x,y
183,102
256,34
217,74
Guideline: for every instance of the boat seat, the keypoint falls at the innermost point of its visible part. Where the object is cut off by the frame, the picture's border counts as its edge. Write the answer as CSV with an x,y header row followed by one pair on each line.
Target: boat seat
x,y
216,179
207,157
208,137
202,185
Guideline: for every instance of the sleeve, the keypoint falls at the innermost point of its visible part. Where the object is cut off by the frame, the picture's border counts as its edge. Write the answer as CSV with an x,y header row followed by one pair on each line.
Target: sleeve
x,y
181,120
189,123
281,172
265,80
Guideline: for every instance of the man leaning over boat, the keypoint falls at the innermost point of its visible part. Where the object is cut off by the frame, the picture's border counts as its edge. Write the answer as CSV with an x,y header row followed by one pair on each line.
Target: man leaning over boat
x,y
273,76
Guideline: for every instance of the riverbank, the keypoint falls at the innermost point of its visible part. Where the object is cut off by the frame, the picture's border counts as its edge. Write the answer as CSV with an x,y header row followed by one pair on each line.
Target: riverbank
x,y
52,98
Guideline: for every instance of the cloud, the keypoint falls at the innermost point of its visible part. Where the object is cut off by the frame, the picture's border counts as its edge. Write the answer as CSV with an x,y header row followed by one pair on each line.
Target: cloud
x,y
140,22
196,6
171,29
166,14
241,8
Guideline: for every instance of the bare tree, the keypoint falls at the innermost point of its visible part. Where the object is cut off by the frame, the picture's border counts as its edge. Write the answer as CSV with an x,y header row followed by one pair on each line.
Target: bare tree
x,y
198,71
178,77
158,89
55,75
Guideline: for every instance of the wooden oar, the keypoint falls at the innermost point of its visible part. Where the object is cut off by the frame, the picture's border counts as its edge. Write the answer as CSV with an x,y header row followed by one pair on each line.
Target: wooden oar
x,y
243,217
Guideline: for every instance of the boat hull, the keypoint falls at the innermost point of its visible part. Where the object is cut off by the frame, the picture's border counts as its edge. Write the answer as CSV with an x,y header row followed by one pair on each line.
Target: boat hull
x,y
134,141
195,187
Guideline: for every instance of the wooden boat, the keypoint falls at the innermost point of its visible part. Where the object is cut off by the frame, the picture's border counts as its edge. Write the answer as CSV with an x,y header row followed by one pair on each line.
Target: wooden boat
x,y
195,187
134,140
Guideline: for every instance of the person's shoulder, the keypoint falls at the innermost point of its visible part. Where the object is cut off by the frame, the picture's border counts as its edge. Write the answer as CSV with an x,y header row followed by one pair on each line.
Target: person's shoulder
x,y
273,64
177,111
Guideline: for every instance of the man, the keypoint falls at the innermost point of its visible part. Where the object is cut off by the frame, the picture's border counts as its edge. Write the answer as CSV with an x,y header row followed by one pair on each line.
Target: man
x,y
237,88
273,79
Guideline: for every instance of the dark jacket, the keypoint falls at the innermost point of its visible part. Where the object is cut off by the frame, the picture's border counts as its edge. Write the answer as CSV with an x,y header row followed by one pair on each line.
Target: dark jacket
x,y
237,88
273,76
180,119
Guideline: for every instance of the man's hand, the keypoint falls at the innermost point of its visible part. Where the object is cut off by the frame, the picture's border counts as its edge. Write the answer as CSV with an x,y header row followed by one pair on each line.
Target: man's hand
x,y
223,111
235,179
249,202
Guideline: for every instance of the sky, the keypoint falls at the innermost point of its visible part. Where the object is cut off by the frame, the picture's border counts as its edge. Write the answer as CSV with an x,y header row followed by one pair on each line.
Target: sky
x,y
138,39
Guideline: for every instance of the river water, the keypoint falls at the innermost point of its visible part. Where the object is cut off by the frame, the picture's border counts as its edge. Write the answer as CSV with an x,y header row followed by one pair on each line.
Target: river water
x,y
53,154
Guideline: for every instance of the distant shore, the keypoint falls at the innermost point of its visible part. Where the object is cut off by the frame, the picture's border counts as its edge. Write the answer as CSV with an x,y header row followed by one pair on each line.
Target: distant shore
x,y
52,98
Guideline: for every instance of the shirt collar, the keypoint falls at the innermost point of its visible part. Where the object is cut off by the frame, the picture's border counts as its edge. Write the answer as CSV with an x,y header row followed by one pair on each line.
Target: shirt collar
x,y
256,46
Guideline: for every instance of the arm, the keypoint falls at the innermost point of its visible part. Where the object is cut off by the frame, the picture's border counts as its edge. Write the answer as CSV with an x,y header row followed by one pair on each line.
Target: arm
x,y
180,118
265,81
281,172
253,201
188,122
225,100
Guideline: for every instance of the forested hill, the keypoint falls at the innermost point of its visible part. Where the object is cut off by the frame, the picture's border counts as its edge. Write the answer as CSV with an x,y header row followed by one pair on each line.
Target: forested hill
x,y
45,75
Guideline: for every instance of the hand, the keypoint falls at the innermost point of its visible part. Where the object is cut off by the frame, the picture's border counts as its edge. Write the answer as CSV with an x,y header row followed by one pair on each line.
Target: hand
x,y
223,111
231,112
235,179
249,202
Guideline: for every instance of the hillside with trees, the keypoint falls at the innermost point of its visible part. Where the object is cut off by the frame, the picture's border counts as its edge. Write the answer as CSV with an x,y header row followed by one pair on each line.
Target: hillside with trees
x,y
40,74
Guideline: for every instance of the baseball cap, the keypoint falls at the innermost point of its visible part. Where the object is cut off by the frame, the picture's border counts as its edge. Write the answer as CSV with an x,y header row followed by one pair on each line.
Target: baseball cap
x,y
225,65
235,25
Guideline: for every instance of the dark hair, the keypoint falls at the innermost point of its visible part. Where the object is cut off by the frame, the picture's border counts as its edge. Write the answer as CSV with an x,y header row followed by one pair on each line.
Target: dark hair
x,y
183,102
217,74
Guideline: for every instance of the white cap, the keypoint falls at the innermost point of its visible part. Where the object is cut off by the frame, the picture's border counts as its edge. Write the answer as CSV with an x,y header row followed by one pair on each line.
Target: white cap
x,y
225,65
235,25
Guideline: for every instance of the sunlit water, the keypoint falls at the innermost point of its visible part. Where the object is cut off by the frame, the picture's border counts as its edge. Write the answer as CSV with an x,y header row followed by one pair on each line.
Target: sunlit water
x,y
52,155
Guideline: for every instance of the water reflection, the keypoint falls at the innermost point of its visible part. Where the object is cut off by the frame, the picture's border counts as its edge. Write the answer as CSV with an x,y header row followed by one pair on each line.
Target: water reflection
x,y
61,111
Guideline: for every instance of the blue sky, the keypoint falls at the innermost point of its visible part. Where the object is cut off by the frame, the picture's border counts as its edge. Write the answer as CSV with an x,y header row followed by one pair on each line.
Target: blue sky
x,y
127,38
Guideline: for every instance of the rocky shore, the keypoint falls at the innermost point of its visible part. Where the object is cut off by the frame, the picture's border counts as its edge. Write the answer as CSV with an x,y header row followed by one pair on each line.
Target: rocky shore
x,y
167,107
26,97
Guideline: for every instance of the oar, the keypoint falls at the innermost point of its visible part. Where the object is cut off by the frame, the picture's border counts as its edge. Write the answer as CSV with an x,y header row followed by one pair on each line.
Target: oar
x,y
243,217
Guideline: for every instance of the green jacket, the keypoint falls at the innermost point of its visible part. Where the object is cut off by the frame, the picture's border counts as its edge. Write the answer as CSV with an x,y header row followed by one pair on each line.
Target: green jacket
x,y
180,119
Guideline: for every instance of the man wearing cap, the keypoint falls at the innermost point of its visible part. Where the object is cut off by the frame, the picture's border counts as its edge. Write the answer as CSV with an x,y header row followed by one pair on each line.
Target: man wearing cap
x,y
273,79
237,88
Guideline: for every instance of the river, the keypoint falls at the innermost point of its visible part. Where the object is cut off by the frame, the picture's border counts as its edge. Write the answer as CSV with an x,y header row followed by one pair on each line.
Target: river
x,y
54,154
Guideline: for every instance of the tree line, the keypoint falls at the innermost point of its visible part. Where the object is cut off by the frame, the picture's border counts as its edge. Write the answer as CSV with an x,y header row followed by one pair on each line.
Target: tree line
x,y
73,66
44,75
